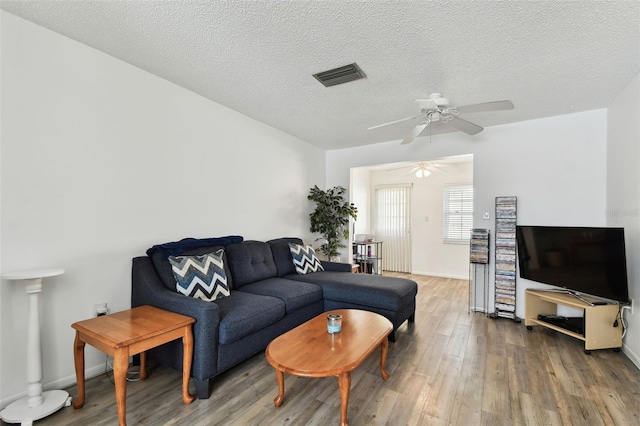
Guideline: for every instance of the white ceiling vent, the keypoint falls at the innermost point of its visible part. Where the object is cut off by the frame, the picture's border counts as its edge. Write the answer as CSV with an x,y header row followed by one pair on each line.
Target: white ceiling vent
x,y
340,75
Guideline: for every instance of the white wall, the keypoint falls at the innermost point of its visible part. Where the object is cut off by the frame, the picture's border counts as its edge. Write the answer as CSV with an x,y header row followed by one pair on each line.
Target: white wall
x,y
99,161
359,196
555,166
623,195
1,290
429,255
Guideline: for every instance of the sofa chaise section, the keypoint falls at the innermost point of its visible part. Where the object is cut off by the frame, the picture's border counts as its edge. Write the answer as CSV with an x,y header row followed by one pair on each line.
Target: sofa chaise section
x,y
391,297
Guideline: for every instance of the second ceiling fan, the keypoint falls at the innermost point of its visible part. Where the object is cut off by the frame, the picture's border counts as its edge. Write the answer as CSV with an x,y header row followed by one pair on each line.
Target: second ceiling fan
x,y
438,108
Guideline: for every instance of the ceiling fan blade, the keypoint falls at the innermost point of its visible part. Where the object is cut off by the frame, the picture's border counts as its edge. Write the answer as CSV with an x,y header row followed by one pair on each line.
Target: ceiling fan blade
x,y
399,168
466,126
415,132
486,106
433,166
392,122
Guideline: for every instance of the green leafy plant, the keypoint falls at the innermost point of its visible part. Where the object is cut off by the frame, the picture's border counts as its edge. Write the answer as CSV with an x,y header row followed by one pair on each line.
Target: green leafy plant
x,y
331,217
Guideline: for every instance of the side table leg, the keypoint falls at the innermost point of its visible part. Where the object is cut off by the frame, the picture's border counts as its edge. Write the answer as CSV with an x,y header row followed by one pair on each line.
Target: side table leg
x,y
120,364
187,344
344,381
143,365
384,349
78,360
280,398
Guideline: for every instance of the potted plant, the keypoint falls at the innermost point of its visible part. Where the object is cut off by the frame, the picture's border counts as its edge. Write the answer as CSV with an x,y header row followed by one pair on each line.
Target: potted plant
x,y
331,218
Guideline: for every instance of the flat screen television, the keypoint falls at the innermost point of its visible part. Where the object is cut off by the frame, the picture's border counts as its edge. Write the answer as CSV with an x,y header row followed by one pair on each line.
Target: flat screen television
x,y
584,260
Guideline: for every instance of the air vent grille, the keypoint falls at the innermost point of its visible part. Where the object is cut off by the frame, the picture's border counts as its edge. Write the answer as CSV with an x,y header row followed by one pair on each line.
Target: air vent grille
x,y
340,75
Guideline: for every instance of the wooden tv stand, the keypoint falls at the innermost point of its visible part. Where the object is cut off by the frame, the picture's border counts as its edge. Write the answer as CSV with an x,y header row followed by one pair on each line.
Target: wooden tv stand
x,y
599,332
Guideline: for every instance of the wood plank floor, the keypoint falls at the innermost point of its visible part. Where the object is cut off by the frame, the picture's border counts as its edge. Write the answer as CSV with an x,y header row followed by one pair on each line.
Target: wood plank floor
x,y
449,368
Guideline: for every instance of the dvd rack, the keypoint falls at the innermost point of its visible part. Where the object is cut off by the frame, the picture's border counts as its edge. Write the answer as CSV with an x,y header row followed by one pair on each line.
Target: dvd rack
x,y
479,258
505,262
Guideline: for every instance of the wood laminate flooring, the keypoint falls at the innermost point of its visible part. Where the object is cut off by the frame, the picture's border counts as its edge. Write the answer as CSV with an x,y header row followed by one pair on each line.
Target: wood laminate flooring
x,y
448,368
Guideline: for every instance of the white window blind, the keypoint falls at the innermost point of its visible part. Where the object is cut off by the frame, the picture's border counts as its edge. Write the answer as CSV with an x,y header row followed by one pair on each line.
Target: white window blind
x,y
458,213
392,226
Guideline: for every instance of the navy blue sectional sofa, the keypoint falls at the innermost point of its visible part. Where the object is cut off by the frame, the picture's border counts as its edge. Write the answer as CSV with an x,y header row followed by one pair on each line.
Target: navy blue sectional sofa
x,y
267,298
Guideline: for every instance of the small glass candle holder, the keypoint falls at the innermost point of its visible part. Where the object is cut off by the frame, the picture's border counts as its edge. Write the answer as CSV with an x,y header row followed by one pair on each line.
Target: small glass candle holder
x,y
334,323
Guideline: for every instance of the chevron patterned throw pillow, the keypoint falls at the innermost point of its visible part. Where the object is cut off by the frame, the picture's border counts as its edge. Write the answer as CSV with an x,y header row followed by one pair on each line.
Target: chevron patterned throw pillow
x,y
202,277
304,259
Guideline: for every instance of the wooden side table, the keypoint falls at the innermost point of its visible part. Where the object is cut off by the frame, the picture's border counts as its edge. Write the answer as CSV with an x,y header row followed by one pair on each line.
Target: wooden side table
x,y
128,333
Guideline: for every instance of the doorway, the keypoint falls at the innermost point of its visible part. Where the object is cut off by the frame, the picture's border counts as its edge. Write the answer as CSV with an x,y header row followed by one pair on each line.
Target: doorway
x,y
428,253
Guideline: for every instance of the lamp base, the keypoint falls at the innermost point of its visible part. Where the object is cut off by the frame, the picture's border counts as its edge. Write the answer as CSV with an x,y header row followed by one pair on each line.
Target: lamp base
x,y
20,412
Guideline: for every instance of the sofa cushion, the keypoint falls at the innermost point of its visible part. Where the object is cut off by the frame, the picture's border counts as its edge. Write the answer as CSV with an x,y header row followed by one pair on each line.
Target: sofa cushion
x,y
163,266
304,259
244,313
294,294
378,291
250,261
202,277
282,254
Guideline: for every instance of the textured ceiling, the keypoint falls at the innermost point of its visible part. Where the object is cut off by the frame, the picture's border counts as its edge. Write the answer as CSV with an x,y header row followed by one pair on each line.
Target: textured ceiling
x,y
258,56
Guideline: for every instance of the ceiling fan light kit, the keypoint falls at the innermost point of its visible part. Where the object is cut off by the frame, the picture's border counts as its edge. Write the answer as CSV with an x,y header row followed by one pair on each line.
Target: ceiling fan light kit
x,y
422,173
437,108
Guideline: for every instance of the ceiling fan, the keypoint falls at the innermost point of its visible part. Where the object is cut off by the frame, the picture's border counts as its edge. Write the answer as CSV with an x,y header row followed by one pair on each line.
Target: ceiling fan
x,y
421,169
437,108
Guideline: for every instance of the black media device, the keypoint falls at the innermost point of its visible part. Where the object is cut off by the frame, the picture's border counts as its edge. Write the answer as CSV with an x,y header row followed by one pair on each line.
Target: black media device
x,y
586,260
575,324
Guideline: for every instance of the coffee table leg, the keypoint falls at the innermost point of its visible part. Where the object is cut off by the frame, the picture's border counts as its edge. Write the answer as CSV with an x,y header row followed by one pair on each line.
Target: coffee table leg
x,y
280,398
187,344
344,381
120,365
384,348
78,360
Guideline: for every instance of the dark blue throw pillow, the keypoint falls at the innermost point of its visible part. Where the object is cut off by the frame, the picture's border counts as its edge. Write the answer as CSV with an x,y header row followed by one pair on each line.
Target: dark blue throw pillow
x,y
304,259
202,277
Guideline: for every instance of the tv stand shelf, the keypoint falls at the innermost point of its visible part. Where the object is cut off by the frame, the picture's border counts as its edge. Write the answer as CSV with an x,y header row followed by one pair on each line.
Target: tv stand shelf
x,y
599,332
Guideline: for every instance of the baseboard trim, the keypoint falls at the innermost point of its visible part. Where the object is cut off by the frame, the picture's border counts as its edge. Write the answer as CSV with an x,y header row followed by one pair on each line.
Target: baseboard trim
x,y
61,383
433,274
631,355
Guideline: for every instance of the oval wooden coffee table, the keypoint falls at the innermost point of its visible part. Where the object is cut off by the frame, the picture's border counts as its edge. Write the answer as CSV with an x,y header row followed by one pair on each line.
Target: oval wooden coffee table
x,y
310,351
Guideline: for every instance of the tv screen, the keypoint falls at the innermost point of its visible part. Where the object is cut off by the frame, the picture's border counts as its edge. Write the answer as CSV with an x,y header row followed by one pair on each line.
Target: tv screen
x,y
585,260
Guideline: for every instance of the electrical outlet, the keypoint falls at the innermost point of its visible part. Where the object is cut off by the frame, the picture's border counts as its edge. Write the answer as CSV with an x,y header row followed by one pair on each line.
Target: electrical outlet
x,y
100,309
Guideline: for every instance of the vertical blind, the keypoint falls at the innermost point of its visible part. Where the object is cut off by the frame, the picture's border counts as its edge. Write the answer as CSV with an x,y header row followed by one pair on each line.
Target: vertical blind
x,y
458,213
392,226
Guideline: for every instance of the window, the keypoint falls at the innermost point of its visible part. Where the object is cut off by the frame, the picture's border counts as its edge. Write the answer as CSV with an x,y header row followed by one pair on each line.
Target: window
x,y
458,214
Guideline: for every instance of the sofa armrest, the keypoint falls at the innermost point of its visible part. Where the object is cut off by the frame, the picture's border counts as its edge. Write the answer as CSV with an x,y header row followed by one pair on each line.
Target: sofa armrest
x,y
147,289
336,266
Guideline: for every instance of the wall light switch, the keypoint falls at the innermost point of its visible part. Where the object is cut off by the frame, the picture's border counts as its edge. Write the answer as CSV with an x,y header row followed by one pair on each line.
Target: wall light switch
x,y
486,215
